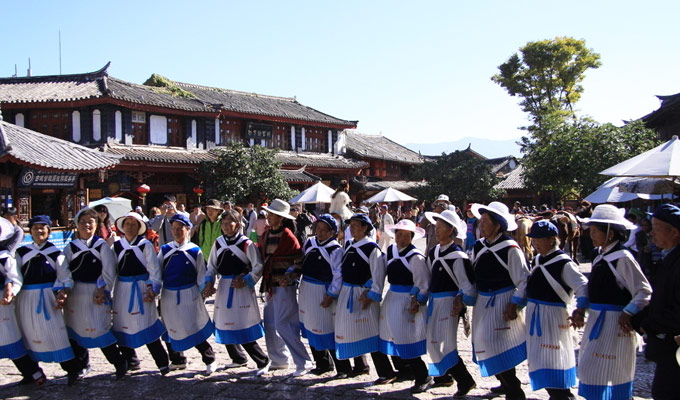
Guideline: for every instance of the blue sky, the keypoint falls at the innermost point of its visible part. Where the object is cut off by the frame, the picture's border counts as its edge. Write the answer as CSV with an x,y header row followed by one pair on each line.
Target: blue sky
x,y
413,71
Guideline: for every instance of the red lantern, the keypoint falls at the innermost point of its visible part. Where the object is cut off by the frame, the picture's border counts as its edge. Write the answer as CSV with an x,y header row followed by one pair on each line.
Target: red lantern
x,y
143,189
199,191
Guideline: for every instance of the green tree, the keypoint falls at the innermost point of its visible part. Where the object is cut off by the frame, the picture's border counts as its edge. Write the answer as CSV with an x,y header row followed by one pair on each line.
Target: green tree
x,y
244,174
547,75
459,175
567,157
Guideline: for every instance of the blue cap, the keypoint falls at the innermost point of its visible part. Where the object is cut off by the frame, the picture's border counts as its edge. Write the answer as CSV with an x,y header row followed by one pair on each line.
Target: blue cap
x,y
361,218
40,219
330,221
542,229
182,219
668,213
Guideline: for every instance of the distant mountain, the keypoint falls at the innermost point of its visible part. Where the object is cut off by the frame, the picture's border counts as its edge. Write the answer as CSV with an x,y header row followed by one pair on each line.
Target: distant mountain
x,y
486,147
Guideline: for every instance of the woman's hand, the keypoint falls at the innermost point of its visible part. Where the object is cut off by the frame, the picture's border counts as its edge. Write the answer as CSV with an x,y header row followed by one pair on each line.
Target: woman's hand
x,y
413,308
238,282
510,312
150,295
364,300
99,296
626,322
7,296
62,296
327,301
457,306
578,318
209,290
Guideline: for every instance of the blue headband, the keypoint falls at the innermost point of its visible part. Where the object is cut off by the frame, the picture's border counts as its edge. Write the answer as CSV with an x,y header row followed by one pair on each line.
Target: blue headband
x,y
330,221
40,219
181,218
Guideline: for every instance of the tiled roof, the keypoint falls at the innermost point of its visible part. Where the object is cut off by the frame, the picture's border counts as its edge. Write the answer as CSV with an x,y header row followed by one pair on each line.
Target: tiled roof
x,y
500,163
31,148
98,84
318,160
381,148
513,180
160,154
668,103
299,176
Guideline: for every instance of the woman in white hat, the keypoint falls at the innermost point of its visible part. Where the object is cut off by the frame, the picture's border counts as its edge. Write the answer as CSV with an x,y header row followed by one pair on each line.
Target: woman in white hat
x,y
282,256
617,290
498,331
47,285
452,278
236,261
554,279
11,341
135,316
403,311
88,310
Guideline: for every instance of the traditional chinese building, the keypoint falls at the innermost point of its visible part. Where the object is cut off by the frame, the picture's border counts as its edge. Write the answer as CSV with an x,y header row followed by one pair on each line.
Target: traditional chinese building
x,y
666,120
163,129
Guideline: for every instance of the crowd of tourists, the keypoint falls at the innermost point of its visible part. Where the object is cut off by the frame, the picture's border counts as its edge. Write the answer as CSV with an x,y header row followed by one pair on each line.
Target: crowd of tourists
x,y
351,283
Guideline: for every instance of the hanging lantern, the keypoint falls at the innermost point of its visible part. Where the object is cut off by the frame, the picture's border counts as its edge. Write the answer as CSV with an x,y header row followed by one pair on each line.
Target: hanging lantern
x,y
199,192
143,189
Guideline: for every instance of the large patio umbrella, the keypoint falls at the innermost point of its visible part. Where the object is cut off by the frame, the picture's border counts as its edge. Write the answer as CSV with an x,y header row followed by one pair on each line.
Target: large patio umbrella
x,y
661,162
390,195
317,193
611,192
648,185
117,206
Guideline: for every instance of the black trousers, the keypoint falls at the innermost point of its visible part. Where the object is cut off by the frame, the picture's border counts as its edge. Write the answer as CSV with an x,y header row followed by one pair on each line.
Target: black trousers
x,y
458,373
155,348
560,394
254,350
416,366
323,361
512,385
206,350
382,364
112,353
666,383
27,366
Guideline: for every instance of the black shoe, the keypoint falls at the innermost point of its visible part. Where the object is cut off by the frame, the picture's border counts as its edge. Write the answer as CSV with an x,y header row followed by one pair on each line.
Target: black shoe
x,y
516,396
440,381
498,390
164,370
27,380
463,390
422,387
341,375
385,380
134,366
356,372
121,368
72,377
83,373
320,371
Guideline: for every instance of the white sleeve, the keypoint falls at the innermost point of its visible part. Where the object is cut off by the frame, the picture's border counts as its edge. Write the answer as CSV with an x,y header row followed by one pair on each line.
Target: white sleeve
x,y
64,278
108,266
12,275
153,266
421,276
212,263
336,269
378,271
200,269
464,284
256,264
575,280
635,282
519,273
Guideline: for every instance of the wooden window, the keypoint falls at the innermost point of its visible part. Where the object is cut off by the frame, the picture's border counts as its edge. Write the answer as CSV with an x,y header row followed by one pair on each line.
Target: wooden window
x,y
175,134
55,123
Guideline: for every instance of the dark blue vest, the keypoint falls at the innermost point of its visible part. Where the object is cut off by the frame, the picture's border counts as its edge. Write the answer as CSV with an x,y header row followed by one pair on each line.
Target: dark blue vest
x,y
38,269
602,286
314,265
490,274
441,280
129,265
86,267
227,262
397,272
178,269
355,270
538,287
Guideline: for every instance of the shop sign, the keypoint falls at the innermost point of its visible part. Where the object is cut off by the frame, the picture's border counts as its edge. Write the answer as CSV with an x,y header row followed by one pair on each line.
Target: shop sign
x,y
259,131
31,178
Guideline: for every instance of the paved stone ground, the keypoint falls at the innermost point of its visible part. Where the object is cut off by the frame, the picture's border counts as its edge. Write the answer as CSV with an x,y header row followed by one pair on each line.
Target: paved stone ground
x,y
242,384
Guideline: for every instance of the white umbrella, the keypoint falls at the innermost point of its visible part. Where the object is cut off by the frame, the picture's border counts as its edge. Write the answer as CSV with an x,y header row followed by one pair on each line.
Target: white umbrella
x,y
317,193
648,185
390,195
117,206
661,161
610,192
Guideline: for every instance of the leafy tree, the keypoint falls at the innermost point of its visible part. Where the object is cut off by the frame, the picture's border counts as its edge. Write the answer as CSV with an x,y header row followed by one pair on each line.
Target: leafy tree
x,y
547,75
244,174
460,175
567,157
